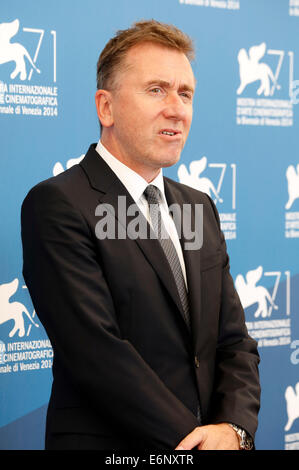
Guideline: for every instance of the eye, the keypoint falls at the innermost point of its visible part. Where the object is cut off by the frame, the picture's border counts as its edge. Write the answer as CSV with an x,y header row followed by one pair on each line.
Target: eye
x,y
187,96
156,91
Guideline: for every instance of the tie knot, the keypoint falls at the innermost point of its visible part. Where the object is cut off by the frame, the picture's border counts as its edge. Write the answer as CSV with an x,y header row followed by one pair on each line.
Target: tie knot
x,y
152,194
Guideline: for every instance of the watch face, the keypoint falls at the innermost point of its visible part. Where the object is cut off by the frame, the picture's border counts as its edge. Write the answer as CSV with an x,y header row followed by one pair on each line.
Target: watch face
x,y
245,441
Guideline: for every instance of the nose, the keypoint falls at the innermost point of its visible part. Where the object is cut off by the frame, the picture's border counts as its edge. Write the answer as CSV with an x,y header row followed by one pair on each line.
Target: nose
x,y
174,107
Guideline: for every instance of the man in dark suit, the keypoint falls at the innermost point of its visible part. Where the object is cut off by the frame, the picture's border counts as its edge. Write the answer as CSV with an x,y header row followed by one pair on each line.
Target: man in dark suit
x,y
150,344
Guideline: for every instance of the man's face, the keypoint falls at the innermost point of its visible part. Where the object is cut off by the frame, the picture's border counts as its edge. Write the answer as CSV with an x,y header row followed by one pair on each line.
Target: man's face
x,y
151,108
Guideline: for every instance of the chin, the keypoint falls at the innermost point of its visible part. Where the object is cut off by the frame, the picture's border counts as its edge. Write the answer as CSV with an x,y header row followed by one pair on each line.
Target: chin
x,y
170,161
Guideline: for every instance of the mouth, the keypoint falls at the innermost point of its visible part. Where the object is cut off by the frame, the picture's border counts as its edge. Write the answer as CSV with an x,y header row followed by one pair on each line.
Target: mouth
x,y
170,134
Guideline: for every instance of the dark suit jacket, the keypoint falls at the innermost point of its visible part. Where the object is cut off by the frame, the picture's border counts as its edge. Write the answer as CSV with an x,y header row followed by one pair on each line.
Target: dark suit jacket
x,y
126,368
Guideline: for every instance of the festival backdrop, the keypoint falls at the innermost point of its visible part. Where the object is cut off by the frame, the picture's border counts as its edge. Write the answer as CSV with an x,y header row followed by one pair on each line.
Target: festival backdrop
x,y
243,150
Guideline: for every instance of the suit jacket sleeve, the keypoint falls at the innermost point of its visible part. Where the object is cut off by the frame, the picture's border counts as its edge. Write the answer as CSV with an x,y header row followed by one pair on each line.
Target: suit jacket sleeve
x,y
236,392
70,294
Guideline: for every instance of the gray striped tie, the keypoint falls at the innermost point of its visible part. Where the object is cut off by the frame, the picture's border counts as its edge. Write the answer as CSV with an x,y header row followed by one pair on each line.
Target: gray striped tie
x,y
152,194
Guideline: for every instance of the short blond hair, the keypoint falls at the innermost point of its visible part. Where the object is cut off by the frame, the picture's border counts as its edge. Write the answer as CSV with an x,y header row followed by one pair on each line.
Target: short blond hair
x,y
112,57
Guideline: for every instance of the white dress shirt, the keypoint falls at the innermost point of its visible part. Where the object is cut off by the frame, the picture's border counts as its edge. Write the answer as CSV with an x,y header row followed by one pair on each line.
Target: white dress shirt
x,y
136,185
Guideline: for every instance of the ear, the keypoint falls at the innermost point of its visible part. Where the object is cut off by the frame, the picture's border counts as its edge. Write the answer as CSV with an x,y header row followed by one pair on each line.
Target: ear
x,y
104,107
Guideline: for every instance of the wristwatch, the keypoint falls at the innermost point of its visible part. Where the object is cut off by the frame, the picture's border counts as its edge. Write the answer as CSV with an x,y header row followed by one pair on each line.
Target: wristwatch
x,y
245,441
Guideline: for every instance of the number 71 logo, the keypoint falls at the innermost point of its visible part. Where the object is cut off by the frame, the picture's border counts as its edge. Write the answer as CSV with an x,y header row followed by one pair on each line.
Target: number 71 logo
x,y
250,293
195,179
41,33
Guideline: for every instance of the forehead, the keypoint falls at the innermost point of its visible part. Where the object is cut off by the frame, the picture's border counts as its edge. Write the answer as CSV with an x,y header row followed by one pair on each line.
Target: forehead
x,y
149,60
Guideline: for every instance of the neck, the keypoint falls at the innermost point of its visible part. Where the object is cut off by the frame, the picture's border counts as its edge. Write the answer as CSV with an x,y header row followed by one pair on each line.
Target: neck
x,y
146,172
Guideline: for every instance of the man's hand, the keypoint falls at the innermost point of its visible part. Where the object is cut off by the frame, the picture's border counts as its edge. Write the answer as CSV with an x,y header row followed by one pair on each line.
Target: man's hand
x,y
212,437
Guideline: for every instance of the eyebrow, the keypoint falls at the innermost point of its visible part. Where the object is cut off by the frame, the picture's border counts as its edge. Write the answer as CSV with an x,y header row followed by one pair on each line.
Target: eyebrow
x,y
166,84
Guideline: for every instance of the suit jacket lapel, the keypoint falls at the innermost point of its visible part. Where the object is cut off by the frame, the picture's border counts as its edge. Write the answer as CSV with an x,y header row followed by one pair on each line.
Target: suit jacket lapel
x,y
192,262
104,180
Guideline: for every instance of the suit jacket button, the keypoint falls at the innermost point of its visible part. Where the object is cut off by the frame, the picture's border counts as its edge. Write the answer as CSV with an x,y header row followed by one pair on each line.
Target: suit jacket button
x,y
196,361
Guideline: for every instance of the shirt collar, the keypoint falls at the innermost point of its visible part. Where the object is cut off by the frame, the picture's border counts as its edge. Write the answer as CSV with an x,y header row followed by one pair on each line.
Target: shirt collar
x,y
133,182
